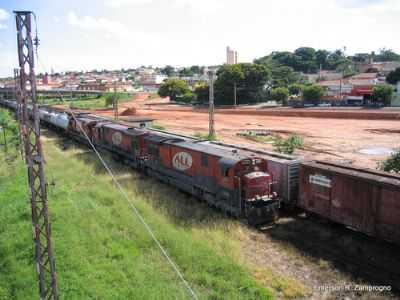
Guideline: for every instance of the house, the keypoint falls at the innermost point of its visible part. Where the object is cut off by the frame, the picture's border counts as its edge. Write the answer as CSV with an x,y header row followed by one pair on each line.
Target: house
x,y
151,82
357,89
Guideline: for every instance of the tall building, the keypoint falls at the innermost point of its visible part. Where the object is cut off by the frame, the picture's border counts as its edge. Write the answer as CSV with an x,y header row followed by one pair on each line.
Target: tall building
x,y
231,56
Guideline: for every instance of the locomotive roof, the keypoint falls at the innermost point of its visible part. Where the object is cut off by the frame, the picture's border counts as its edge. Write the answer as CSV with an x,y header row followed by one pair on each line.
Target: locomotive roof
x,y
126,129
161,138
231,155
86,120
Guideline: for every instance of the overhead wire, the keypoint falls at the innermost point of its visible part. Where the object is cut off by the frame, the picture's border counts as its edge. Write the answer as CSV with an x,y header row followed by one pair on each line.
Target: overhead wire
x,y
171,262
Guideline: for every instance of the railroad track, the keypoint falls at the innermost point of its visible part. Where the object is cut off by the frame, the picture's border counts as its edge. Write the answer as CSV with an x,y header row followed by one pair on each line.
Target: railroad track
x,y
366,263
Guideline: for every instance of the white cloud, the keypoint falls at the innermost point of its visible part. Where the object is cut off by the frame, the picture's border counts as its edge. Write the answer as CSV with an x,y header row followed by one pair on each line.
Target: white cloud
x,y
4,15
97,24
186,32
119,3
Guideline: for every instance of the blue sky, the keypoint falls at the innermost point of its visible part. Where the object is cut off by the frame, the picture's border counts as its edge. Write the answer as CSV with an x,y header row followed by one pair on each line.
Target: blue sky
x,y
82,35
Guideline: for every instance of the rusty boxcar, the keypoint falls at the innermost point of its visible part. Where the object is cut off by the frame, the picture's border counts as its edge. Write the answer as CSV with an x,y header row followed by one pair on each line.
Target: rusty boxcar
x,y
362,199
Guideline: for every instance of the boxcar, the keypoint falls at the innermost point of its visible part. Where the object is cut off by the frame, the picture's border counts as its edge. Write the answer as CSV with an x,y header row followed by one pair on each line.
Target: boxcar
x,y
362,199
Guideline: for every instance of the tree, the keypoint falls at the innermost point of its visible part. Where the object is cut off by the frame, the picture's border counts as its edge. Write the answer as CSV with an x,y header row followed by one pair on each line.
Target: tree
x,y
394,76
195,69
187,97
313,93
306,60
202,92
173,88
305,53
321,57
283,76
250,80
280,94
168,70
387,55
295,89
383,93
111,97
186,72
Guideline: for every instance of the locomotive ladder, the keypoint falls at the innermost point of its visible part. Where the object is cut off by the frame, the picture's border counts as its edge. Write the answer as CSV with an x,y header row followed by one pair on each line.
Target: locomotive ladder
x,y
30,131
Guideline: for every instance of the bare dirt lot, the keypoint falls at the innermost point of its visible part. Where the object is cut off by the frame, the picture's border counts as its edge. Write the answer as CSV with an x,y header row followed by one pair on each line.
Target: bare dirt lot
x,y
362,142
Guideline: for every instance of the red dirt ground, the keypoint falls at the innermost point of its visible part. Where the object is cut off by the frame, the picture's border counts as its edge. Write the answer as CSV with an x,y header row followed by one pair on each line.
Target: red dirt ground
x,y
325,138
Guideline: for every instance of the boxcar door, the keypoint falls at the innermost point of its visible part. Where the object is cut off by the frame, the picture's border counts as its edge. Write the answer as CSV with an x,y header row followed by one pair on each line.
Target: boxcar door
x,y
320,193
353,203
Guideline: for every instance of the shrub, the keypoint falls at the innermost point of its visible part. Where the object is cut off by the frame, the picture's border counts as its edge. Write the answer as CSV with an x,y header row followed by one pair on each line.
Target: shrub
x,y
392,164
174,88
188,97
289,145
295,89
202,91
158,127
280,94
383,93
313,93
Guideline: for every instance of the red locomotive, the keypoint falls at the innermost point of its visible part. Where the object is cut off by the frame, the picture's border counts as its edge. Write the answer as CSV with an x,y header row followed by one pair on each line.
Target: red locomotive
x,y
235,181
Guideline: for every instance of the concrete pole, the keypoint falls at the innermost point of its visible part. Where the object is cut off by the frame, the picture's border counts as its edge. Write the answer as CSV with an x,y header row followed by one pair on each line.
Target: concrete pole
x,y
234,94
211,129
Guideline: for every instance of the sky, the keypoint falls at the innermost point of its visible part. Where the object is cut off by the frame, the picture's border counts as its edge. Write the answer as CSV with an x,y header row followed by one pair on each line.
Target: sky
x,y
114,34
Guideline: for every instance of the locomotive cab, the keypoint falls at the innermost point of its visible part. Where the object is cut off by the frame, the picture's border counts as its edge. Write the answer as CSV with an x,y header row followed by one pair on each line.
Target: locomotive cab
x,y
261,203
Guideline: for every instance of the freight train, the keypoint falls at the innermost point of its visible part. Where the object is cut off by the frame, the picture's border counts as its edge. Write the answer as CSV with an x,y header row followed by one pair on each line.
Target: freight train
x,y
246,183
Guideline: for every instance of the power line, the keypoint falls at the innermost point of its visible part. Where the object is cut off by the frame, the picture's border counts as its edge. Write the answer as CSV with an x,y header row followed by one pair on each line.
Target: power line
x,y
132,206
137,213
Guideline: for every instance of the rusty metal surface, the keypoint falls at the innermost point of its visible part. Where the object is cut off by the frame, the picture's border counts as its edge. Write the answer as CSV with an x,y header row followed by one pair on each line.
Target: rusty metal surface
x,y
362,199
44,255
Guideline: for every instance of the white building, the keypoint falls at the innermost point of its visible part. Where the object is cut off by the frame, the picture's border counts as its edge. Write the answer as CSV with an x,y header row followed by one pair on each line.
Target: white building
x,y
231,56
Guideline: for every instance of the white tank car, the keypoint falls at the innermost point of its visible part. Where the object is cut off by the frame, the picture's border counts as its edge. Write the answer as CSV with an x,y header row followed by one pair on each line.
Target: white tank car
x,y
44,115
59,120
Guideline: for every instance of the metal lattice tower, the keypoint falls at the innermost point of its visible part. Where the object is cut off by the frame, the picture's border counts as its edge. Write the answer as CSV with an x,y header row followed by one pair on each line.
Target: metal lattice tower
x,y
30,130
211,129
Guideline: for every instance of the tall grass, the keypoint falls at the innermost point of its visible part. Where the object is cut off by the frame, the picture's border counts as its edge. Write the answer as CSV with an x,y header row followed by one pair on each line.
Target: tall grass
x,y
102,251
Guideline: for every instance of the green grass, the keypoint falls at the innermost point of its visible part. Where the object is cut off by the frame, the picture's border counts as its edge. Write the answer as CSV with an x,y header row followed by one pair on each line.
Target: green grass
x,y
103,252
158,126
97,103
88,102
281,145
205,136
267,139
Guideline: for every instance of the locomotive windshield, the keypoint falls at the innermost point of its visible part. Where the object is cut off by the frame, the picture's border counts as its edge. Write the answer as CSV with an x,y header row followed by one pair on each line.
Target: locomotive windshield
x,y
250,165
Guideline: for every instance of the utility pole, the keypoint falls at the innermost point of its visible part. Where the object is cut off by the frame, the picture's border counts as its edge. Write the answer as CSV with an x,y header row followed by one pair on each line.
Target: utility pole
x,y
44,256
211,129
234,94
115,102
